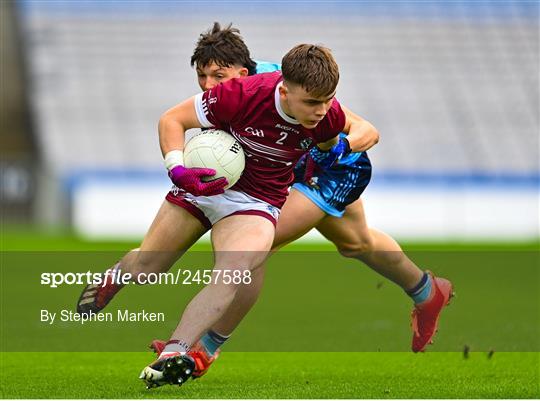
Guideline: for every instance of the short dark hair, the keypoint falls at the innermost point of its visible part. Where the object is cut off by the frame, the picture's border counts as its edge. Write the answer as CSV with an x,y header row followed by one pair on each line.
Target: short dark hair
x,y
223,46
312,67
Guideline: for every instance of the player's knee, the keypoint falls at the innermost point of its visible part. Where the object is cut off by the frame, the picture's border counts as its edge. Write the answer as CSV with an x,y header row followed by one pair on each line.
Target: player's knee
x,y
357,248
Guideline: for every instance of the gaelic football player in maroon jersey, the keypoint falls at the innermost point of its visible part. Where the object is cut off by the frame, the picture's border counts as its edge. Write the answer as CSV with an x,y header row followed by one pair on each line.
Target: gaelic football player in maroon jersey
x,y
257,110
219,56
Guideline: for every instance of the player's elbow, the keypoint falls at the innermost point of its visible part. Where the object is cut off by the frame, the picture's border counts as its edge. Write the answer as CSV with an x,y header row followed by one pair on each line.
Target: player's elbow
x,y
375,136
169,126
165,121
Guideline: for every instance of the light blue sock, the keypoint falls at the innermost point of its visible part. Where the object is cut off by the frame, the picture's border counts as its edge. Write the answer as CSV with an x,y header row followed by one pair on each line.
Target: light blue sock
x,y
212,341
422,290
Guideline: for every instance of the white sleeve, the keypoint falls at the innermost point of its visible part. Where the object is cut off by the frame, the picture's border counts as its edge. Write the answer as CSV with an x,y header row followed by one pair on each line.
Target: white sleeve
x,y
202,110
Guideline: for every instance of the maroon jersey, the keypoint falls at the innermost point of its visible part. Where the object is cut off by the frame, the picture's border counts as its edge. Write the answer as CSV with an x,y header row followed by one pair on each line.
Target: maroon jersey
x,y
250,110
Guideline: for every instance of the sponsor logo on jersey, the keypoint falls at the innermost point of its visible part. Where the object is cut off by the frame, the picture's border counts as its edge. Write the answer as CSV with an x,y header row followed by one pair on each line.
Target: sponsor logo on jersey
x,y
287,128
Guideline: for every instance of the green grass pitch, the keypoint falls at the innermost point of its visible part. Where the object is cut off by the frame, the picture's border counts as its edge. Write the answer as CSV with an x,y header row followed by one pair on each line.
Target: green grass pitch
x,y
508,373
278,375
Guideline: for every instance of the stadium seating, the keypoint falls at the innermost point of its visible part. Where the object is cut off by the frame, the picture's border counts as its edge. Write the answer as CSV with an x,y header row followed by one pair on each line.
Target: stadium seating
x,y
451,89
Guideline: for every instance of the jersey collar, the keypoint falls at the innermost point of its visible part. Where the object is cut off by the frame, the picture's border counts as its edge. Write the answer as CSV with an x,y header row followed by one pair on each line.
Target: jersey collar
x,y
279,109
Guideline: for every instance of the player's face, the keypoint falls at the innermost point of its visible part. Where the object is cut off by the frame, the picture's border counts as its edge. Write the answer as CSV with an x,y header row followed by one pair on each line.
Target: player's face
x,y
212,74
307,109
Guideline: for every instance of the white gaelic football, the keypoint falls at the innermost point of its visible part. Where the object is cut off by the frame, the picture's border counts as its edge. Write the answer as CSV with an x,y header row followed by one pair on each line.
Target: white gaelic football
x,y
218,150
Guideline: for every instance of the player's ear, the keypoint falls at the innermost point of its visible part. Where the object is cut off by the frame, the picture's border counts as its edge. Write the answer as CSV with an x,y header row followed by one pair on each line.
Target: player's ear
x,y
243,72
283,90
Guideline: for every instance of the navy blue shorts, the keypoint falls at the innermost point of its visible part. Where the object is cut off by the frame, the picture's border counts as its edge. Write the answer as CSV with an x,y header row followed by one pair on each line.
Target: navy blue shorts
x,y
337,187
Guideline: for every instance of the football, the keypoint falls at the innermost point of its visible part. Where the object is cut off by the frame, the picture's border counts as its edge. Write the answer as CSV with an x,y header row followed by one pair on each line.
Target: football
x,y
218,150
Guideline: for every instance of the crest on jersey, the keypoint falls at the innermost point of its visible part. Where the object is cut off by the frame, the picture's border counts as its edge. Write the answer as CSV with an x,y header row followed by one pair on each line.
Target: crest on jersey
x,y
306,143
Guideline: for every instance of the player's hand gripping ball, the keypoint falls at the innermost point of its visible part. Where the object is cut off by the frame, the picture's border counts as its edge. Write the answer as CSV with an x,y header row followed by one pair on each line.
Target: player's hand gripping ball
x,y
216,150
191,180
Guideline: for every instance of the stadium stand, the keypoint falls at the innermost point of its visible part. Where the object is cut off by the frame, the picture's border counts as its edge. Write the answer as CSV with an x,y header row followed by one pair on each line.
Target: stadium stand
x,y
452,86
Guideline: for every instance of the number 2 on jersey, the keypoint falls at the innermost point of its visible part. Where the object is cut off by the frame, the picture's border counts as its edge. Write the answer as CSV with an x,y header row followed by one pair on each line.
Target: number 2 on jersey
x,y
283,135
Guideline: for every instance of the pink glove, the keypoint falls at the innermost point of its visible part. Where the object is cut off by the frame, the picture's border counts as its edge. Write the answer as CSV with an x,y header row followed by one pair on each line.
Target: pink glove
x,y
190,180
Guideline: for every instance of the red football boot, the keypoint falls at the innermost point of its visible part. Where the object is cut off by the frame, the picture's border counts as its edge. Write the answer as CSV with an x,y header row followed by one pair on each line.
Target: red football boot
x,y
198,353
425,316
95,297
202,359
157,346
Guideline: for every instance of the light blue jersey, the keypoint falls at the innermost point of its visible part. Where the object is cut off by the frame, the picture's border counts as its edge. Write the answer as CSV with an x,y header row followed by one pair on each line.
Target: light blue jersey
x,y
266,66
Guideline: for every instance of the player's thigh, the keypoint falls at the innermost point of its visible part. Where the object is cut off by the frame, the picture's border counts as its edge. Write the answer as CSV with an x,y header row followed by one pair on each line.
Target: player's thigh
x,y
173,231
297,217
350,233
242,241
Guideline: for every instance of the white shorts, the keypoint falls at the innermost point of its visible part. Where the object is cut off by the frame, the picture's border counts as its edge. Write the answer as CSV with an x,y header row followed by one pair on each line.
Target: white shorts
x,y
211,209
